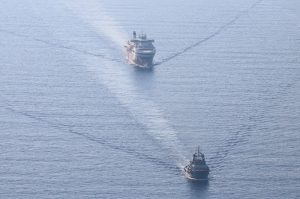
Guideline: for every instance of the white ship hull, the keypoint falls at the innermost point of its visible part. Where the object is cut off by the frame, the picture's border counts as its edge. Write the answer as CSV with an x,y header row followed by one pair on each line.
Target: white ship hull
x,y
140,51
144,60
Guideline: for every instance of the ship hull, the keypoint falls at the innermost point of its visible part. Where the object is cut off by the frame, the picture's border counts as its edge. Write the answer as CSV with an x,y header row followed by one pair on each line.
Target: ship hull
x,y
196,175
141,60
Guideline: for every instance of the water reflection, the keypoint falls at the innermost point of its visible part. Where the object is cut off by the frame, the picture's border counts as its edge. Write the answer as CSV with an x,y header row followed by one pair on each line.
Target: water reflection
x,y
198,189
144,78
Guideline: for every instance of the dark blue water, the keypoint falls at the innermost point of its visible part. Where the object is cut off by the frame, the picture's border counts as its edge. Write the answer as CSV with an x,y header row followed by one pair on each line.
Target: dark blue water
x,y
77,122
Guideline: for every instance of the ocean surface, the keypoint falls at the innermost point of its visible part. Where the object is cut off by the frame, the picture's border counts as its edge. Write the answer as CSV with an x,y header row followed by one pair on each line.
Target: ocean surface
x,y
76,121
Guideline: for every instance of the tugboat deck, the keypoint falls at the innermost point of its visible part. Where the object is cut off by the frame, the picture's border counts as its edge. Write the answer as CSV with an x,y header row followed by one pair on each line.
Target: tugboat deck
x,y
197,169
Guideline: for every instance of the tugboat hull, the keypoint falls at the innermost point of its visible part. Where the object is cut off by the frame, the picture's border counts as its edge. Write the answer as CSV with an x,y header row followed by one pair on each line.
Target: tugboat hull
x,y
197,169
199,175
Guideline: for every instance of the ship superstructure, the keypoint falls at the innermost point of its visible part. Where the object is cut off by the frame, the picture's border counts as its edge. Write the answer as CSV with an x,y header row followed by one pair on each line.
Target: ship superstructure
x,y
140,50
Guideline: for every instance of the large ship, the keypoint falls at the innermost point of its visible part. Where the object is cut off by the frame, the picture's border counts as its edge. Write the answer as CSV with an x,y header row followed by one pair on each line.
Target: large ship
x,y
197,169
140,51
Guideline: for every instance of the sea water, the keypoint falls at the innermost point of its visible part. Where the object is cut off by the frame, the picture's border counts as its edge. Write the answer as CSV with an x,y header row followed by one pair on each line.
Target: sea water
x,y
76,121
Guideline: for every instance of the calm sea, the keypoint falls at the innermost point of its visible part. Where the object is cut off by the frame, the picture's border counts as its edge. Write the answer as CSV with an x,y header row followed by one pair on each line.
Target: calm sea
x,y
76,121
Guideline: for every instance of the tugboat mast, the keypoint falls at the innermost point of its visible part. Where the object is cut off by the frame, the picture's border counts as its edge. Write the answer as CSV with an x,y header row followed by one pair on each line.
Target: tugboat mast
x,y
134,35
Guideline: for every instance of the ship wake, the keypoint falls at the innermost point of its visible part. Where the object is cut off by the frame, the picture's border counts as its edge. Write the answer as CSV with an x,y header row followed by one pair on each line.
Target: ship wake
x,y
118,81
96,17
143,110
211,36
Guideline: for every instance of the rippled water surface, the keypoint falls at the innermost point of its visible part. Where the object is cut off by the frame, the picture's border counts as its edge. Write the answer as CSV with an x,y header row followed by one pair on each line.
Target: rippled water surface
x,y
77,122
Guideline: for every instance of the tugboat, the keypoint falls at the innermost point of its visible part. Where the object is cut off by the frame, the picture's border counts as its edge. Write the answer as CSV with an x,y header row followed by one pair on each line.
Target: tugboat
x,y
140,51
197,168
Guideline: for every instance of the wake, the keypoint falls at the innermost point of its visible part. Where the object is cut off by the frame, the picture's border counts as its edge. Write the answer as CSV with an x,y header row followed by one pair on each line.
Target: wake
x,y
213,35
72,129
93,14
105,24
119,82
143,110
61,46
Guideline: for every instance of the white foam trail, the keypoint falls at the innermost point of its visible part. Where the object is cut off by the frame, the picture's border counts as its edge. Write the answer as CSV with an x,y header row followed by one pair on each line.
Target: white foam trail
x,y
143,110
93,14
120,83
